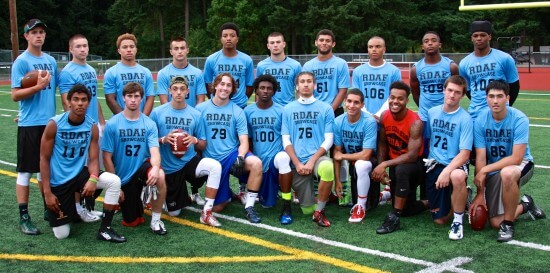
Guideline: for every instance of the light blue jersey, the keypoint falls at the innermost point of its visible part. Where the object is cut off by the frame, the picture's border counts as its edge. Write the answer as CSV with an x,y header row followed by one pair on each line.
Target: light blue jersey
x,y
431,78
285,72
223,126
374,82
129,142
307,124
449,133
479,71
193,76
240,66
330,76
74,73
70,150
499,138
264,128
120,74
39,108
167,119
355,137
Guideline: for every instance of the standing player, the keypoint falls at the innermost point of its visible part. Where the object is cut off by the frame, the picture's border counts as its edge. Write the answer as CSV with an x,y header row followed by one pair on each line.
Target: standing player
x,y
131,150
355,141
227,134
69,163
78,71
307,137
180,66
427,78
230,60
503,162
451,139
485,65
375,77
179,117
264,128
283,68
400,150
126,71
36,106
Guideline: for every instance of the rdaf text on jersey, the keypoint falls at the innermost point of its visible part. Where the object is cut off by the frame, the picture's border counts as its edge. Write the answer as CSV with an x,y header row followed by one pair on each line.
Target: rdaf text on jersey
x,y
75,137
482,71
127,135
432,76
88,77
279,73
263,122
324,73
498,135
133,77
219,119
44,66
444,127
375,79
234,69
177,123
305,117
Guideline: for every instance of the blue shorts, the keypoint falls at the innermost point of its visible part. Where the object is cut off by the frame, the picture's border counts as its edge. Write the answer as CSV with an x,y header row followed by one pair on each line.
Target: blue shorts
x,y
269,191
224,191
440,199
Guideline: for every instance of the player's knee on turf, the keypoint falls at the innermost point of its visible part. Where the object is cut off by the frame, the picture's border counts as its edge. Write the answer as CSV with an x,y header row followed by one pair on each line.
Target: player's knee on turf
x,y
282,162
325,171
62,232
111,183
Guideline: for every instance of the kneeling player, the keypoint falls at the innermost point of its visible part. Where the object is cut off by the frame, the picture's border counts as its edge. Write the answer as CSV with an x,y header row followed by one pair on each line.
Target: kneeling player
x,y
264,128
355,141
70,140
130,149
178,117
451,137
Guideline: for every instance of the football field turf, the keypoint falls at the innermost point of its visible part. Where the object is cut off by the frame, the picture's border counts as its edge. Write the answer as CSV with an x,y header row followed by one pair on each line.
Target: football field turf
x,y
419,246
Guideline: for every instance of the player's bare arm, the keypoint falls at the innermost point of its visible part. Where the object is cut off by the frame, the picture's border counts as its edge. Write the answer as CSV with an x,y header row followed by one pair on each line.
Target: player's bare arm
x,y
339,98
18,94
154,173
93,162
46,150
112,103
415,86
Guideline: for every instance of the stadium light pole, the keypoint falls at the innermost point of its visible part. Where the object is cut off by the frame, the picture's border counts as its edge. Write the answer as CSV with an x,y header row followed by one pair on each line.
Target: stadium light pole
x,y
13,26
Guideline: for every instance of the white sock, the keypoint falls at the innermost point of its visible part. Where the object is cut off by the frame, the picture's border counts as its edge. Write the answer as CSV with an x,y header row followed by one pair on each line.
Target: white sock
x,y
250,199
209,204
79,207
362,200
458,217
155,216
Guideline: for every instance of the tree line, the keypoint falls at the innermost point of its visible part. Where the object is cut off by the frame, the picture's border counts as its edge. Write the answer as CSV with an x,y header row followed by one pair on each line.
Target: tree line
x,y
400,22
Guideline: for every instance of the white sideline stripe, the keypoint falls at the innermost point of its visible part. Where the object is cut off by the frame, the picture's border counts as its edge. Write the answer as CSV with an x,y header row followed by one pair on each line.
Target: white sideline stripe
x,y
9,110
542,166
449,267
4,115
534,94
8,163
530,245
539,125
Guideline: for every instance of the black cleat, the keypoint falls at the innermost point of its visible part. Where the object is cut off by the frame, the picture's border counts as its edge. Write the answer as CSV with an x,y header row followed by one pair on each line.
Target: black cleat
x,y
391,224
109,234
251,215
534,211
26,226
505,233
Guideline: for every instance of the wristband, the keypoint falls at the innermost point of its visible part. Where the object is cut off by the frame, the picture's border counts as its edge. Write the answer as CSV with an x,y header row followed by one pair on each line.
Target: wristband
x,y
94,176
93,180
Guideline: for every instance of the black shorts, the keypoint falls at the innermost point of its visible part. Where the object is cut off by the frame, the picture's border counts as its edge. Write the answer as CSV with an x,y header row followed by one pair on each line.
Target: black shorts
x,y
177,195
132,207
28,148
65,195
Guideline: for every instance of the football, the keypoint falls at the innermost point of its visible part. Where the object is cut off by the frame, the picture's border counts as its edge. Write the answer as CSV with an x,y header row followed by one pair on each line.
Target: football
x,y
31,78
179,148
478,221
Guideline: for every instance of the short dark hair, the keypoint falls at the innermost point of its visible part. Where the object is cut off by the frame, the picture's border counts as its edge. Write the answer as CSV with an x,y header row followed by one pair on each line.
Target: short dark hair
x,y
402,86
229,25
432,32
305,73
458,80
131,88
498,85
356,91
177,39
276,34
326,32
79,88
76,36
265,78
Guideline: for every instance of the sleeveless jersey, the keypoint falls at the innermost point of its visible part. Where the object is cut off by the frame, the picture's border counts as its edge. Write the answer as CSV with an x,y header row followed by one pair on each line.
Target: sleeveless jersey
x,y
330,75
193,76
285,72
120,74
449,133
398,133
375,83
74,73
431,78
40,107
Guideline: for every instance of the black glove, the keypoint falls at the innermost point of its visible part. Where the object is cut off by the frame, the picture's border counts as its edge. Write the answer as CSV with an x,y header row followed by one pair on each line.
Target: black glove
x,y
238,167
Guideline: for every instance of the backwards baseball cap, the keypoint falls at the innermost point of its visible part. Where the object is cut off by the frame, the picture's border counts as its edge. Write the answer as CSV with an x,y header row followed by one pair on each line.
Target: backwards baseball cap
x,y
481,26
178,79
32,23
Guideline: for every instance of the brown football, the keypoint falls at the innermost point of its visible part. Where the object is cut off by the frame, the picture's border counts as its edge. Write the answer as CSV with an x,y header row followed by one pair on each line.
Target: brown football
x,y
31,78
479,219
179,148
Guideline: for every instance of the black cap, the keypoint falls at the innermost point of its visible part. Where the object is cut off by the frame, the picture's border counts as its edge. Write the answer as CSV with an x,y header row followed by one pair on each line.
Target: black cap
x,y
32,23
481,26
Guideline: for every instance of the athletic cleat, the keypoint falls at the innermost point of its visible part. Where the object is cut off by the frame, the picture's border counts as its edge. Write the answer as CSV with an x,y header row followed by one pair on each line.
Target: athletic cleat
x,y
87,217
505,233
534,211
320,218
456,232
251,215
295,199
357,214
391,224
196,197
385,197
157,226
242,197
208,219
26,226
469,200
344,201
110,235
96,213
